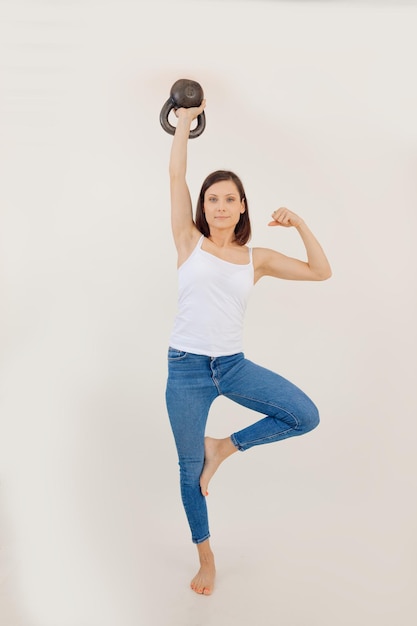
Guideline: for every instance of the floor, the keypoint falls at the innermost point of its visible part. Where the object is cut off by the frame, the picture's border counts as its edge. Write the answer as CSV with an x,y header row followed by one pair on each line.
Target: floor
x,y
283,560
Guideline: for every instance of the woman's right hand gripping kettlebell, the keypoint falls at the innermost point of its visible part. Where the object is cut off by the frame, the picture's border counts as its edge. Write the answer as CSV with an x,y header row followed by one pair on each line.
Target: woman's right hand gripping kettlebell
x,y
190,113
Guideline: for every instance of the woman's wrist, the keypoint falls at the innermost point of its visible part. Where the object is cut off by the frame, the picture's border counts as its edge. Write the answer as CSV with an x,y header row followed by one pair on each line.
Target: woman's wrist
x,y
184,120
301,225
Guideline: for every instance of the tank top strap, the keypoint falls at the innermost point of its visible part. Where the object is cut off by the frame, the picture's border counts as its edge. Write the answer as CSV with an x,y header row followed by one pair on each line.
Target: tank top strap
x,y
250,254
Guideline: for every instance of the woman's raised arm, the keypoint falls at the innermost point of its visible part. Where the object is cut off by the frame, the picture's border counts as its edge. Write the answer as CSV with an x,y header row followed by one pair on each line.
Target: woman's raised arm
x,y
183,228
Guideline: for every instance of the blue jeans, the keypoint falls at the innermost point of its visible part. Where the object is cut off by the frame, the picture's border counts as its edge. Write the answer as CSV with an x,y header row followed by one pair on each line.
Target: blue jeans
x,y
194,381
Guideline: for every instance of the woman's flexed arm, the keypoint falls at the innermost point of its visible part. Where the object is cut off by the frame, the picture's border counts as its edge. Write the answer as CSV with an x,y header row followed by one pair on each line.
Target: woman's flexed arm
x,y
272,263
183,227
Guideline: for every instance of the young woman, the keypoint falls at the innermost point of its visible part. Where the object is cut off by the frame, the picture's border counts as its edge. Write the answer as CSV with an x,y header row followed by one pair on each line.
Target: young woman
x,y
216,271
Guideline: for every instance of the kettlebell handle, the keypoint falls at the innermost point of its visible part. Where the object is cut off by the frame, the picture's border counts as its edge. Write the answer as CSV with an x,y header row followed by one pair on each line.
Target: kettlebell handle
x,y
184,93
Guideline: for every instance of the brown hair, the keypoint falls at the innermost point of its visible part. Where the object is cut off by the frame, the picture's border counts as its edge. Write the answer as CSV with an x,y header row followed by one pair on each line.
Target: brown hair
x,y
243,227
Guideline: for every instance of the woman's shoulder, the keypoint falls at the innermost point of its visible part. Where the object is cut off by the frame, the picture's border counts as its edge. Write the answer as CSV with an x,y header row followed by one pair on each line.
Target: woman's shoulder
x,y
263,256
261,253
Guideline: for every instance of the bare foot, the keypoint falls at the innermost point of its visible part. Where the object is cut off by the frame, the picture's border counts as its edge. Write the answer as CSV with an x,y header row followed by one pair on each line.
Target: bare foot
x,y
215,452
203,581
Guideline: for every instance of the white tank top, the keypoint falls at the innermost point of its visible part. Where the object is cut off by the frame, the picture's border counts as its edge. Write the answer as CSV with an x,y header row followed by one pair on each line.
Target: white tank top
x,y
212,299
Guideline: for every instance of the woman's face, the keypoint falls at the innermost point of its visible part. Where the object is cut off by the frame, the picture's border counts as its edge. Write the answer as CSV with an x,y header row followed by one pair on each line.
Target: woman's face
x,y
222,205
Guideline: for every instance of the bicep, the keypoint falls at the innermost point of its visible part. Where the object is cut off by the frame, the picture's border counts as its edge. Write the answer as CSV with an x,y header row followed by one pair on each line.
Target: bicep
x,y
272,263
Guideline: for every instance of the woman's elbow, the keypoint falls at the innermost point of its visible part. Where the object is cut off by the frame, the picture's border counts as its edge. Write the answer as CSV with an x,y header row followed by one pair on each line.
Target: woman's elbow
x,y
322,272
325,274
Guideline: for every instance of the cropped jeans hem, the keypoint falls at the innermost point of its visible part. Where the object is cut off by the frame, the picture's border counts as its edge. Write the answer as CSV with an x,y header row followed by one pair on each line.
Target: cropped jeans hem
x,y
197,541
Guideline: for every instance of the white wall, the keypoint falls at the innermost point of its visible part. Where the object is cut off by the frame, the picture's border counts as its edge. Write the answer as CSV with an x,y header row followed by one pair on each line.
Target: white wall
x,y
314,105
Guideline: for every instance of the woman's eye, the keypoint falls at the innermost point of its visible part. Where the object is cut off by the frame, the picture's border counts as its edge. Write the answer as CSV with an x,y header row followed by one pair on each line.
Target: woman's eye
x,y
230,199
212,199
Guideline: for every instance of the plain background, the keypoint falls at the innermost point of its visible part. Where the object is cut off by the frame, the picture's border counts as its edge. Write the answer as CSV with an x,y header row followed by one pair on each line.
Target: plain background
x,y
314,106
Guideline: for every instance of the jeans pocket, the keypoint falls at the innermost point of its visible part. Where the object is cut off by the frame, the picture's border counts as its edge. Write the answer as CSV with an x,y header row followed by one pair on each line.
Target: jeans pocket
x,y
176,355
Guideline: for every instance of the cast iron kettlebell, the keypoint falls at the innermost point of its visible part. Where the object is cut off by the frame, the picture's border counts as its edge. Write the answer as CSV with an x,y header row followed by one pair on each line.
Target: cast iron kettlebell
x,y
184,93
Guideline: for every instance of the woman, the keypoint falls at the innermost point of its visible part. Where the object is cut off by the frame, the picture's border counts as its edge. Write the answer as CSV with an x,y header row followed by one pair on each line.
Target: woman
x,y
216,272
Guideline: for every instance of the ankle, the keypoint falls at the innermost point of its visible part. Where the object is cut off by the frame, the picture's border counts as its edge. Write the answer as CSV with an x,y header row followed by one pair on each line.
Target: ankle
x,y
228,447
205,553
206,559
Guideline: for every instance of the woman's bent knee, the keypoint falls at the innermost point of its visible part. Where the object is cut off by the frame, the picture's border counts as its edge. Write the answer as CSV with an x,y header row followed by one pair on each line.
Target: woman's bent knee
x,y
311,419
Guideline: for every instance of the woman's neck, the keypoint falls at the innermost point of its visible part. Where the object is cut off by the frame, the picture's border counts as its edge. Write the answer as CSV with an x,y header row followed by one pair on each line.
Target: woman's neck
x,y
222,239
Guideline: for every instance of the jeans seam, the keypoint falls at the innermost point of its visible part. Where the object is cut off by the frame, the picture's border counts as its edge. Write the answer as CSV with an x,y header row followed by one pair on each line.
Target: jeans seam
x,y
238,395
243,447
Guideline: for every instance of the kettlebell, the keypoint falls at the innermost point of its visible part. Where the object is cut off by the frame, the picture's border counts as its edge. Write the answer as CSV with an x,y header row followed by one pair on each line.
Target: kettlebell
x,y
184,93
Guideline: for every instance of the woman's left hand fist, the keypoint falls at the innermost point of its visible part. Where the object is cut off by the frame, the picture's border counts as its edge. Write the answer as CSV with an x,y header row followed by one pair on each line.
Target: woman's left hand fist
x,y
284,217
